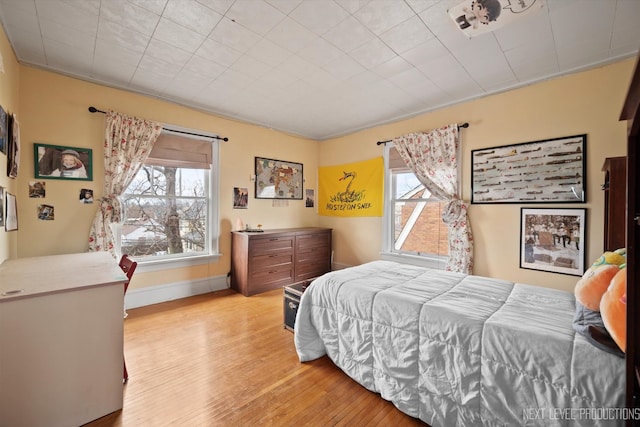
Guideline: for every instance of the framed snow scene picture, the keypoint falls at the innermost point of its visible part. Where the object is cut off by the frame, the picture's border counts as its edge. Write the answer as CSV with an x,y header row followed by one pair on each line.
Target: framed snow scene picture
x,y
553,240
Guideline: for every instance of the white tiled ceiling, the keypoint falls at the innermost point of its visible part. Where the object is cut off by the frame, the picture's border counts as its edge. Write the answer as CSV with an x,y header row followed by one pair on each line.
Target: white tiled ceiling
x,y
315,68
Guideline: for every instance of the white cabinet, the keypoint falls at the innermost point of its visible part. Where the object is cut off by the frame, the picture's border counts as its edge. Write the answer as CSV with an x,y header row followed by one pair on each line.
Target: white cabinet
x,y
61,339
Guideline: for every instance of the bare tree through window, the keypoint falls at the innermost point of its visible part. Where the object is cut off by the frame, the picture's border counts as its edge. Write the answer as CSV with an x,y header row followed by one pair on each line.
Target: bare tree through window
x,y
165,212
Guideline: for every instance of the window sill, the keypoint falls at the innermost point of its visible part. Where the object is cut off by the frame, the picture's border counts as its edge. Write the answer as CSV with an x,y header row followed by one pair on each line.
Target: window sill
x,y
146,266
439,263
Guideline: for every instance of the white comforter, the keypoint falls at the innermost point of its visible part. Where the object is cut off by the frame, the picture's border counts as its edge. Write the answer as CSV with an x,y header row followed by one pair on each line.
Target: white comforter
x,y
458,350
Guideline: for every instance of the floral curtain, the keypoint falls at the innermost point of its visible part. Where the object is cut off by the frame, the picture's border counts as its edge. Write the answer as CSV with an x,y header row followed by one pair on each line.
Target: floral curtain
x,y
127,144
433,158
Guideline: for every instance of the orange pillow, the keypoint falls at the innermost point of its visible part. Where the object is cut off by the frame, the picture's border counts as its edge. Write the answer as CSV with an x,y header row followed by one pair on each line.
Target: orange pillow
x,y
593,285
613,308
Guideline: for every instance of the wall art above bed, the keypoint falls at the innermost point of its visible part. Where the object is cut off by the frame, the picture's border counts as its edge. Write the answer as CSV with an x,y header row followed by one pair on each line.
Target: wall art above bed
x,y
546,171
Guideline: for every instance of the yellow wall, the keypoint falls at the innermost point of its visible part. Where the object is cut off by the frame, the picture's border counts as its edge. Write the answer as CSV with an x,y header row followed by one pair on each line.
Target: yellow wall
x,y
52,109
9,81
585,103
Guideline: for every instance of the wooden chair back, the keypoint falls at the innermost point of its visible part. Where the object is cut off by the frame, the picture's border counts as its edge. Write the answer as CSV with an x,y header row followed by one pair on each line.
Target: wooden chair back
x,y
129,267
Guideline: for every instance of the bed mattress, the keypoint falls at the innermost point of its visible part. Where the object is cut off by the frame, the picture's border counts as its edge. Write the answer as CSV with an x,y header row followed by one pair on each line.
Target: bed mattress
x,y
460,350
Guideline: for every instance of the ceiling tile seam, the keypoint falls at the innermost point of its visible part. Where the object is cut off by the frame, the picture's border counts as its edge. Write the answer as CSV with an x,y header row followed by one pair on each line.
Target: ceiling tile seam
x,y
419,15
513,72
192,54
613,22
322,36
144,52
378,36
410,7
95,41
226,68
553,37
249,29
44,51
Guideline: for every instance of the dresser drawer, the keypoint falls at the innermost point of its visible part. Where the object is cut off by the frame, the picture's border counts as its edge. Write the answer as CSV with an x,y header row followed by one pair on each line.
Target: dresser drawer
x,y
275,275
311,269
271,244
321,253
311,241
262,262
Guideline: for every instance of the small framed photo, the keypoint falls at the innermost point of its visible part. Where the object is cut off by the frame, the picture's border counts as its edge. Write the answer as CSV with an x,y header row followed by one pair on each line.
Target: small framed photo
x,y
13,147
553,240
37,189
1,206
86,196
240,198
11,219
309,200
4,134
46,212
60,162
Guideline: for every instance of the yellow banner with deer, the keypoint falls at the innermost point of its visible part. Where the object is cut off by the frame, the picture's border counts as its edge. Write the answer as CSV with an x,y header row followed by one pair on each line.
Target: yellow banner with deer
x,y
354,189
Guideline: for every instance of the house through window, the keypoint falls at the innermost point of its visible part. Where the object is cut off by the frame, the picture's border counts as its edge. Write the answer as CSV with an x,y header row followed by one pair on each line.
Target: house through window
x,y
413,217
170,204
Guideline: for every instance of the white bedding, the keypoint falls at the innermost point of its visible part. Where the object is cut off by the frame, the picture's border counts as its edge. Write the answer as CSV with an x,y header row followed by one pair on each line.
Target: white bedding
x,y
458,350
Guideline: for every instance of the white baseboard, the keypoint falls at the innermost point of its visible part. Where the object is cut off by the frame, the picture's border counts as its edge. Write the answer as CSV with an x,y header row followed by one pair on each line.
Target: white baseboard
x,y
338,266
170,291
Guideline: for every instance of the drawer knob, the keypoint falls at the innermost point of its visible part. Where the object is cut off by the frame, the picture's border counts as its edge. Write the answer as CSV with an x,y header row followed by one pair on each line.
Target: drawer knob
x,y
292,305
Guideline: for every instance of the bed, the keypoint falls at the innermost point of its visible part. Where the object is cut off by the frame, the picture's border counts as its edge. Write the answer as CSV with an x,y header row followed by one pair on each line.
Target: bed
x,y
460,350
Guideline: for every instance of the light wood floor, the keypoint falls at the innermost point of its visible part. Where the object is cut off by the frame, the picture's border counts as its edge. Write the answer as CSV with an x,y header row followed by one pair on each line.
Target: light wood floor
x,y
222,359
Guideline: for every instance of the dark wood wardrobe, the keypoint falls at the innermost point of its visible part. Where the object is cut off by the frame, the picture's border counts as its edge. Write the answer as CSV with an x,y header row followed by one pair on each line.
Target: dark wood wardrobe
x,y
630,112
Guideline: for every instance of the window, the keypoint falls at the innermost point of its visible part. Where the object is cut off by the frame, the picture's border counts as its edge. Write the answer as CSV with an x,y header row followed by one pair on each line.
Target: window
x,y
414,230
170,207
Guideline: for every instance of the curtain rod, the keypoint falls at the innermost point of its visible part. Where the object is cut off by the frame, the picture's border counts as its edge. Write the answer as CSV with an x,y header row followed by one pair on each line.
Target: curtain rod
x,y
463,125
95,110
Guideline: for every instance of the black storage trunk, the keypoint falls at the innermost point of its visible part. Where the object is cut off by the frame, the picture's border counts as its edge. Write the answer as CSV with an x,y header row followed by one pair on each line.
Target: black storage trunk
x,y
292,294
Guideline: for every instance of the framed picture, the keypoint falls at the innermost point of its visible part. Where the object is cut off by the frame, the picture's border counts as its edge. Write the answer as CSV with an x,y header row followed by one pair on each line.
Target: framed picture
x,y
309,200
86,196
11,219
1,206
547,171
240,198
46,212
4,134
553,240
13,148
278,179
37,189
60,162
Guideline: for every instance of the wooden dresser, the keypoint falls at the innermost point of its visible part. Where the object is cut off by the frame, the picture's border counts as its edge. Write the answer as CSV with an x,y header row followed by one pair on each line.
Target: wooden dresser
x,y
271,259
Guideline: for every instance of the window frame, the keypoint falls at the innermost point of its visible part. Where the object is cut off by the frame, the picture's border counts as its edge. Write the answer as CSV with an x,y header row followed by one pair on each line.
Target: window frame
x,y
388,252
149,264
